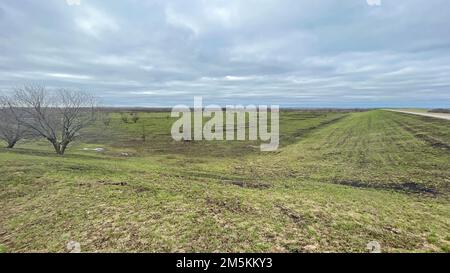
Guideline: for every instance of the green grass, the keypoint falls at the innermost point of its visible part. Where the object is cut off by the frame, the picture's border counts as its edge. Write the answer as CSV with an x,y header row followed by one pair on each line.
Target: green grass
x,y
339,181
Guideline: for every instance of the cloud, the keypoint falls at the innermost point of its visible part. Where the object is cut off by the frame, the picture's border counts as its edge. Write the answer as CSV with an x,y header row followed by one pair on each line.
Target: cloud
x,y
94,22
68,76
73,2
374,2
289,52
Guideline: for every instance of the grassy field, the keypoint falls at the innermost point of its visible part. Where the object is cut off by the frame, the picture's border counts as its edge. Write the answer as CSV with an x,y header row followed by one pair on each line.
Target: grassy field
x,y
339,181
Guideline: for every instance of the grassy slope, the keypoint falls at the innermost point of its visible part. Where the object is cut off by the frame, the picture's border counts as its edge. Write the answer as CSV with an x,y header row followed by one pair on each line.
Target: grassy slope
x,y
340,181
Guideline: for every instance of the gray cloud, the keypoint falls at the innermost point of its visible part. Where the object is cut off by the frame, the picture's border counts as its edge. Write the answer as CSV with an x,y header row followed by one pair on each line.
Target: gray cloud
x,y
290,52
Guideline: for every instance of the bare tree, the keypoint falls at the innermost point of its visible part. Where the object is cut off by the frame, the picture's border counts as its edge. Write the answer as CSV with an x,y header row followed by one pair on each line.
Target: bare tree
x,y
57,116
11,129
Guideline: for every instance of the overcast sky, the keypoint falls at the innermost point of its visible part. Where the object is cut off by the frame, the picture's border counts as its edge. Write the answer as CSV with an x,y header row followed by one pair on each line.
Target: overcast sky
x,y
317,53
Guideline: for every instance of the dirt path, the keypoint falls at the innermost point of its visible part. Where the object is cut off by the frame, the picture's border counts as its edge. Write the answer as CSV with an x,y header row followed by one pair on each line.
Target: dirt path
x,y
433,115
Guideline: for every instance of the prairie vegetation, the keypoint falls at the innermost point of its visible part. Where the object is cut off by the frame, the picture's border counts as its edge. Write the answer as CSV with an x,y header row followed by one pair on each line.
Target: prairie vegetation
x,y
340,180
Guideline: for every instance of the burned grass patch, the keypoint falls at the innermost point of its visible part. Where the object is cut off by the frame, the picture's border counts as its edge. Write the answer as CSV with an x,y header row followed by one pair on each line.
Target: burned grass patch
x,y
407,187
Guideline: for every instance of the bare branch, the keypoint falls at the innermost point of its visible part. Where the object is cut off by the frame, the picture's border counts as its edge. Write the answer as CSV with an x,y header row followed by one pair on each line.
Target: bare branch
x,y
11,129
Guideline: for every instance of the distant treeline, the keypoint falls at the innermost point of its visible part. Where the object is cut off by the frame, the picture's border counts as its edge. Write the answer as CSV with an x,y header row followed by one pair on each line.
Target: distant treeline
x,y
440,110
167,109
136,109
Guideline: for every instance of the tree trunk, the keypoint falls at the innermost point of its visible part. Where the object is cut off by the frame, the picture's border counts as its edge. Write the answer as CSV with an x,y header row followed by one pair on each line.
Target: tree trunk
x,y
11,144
62,148
57,147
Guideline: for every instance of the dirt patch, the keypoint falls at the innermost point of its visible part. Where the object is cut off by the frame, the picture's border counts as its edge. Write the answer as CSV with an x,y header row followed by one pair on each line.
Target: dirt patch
x,y
218,205
408,187
136,188
416,188
101,182
110,183
140,189
78,168
205,175
83,184
247,184
294,216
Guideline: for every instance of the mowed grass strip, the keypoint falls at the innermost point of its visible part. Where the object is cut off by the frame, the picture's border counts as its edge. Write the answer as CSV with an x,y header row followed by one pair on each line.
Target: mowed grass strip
x,y
370,149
